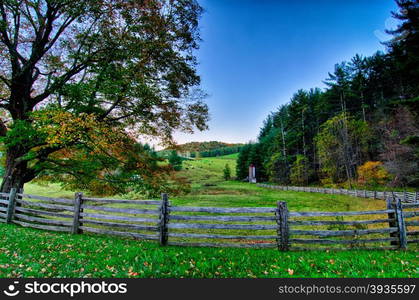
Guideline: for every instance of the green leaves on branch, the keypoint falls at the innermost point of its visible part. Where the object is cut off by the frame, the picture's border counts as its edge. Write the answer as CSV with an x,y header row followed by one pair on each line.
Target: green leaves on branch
x,y
342,145
91,78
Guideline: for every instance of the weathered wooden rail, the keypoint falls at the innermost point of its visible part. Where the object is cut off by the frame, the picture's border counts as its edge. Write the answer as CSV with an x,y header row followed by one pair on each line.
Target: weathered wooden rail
x,y
246,227
410,197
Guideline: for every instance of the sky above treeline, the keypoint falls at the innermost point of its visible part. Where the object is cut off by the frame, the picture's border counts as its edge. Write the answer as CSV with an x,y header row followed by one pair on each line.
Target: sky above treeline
x,y
256,54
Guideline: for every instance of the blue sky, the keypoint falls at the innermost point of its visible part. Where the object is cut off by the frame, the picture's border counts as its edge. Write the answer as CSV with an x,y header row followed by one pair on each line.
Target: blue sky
x,y
256,53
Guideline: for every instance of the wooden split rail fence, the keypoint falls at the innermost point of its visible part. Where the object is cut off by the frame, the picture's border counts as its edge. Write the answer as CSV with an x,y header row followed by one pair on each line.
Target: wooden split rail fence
x,y
258,227
410,197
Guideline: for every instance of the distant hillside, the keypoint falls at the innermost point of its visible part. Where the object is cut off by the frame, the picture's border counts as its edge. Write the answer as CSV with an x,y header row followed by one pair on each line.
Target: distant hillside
x,y
203,146
205,149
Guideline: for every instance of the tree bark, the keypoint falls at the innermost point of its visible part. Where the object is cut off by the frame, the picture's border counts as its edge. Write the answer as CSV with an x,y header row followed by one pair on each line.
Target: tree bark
x,y
16,172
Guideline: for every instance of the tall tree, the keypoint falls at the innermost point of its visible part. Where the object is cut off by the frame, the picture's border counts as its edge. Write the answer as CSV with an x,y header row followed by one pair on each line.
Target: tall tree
x,y
339,83
175,161
405,46
359,76
120,65
242,169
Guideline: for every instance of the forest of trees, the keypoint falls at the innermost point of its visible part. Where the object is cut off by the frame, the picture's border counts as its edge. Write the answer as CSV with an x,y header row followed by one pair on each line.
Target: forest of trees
x,y
218,151
203,149
367,117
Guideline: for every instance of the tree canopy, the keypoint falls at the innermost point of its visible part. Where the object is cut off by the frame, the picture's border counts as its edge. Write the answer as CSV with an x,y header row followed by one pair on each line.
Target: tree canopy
x,y
81,81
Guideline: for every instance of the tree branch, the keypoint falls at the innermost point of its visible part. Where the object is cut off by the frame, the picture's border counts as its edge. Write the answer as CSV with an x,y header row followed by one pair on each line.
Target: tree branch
x,y
58,83
5,80
15,56
16,21
29,17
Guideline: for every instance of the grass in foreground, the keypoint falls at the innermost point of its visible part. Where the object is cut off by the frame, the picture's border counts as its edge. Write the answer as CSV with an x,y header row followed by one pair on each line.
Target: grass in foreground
x,y
34,253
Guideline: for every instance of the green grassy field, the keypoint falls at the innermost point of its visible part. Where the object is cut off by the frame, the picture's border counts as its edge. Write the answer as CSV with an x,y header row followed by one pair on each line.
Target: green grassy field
x,y
27,252
33,253
210,189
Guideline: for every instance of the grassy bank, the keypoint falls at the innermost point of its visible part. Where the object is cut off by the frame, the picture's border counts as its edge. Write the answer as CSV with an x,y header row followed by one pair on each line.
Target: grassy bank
x,y
33,253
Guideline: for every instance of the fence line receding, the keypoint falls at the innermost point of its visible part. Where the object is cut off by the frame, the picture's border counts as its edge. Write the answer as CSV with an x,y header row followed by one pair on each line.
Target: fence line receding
x,y
404,196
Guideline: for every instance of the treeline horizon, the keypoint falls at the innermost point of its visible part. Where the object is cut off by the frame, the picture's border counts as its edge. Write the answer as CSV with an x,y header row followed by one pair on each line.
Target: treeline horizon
x,y
361,130
203,149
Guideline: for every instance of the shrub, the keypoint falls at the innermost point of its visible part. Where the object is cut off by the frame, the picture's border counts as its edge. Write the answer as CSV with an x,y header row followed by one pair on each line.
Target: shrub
x,y
175,161
300,171
372,173
227,172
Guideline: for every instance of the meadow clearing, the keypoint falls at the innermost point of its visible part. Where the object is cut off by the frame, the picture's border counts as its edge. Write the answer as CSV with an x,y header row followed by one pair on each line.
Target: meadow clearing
x,y
33,253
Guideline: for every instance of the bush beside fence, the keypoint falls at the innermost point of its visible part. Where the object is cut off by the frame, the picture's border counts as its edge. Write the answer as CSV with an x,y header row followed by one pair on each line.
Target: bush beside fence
x,y
250,227
404,196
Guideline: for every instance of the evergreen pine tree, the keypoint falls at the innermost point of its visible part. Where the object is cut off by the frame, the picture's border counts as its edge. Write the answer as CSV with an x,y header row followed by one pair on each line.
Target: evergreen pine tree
x,y
175,161
227,172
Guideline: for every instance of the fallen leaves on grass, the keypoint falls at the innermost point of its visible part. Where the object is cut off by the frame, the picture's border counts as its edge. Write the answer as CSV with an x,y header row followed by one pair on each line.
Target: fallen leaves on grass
x,y
291,272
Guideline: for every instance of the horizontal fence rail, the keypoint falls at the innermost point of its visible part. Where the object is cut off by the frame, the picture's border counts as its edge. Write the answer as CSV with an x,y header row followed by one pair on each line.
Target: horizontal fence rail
x,y
408,197
396,227
4,201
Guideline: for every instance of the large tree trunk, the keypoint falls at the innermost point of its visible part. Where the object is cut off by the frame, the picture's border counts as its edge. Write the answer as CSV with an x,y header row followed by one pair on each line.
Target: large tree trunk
x,y
16,173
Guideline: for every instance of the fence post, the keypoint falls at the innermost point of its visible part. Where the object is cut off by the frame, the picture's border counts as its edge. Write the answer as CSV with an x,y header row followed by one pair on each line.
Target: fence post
x,y
78,200
375,194
283,226
164,219
392,216
400,224
278,229
416,196
11,205
405,196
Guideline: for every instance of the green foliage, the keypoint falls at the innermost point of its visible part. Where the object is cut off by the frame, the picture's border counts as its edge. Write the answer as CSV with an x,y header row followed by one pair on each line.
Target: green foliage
x,y
100,68
243,162
300,171
175,161
277,168
220,151
204,149
404,46
342,144
22,133
252,154
227,172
